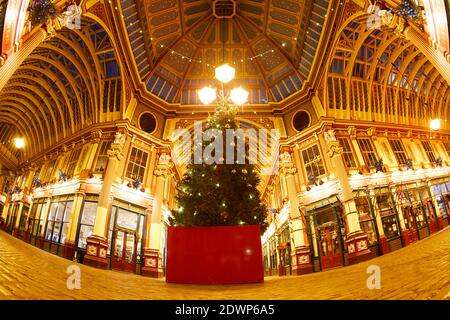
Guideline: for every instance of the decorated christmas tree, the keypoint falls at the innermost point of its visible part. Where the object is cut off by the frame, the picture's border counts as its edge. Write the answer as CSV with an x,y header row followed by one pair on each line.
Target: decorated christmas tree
x,y
220,194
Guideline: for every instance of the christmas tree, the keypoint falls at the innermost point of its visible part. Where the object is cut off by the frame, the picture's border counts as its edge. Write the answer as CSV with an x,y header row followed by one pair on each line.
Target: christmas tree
x,y
220,194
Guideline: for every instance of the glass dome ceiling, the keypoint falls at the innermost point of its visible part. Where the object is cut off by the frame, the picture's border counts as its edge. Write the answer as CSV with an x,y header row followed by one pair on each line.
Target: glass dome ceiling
x,y
271,44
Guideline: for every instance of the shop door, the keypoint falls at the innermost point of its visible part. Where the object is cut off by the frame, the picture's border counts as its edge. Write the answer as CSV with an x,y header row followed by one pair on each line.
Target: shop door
x,y
285,260
411,224
124,251
330,243
330,246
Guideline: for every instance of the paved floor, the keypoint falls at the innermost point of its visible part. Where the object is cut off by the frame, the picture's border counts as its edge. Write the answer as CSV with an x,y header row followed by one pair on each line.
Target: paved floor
x,y
419,271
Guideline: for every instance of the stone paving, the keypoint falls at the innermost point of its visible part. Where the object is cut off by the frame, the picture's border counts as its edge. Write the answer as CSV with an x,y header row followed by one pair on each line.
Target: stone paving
x,y
419,271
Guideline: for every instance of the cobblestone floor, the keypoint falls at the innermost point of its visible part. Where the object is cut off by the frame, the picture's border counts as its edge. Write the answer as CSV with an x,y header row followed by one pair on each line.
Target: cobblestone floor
x,y
419,271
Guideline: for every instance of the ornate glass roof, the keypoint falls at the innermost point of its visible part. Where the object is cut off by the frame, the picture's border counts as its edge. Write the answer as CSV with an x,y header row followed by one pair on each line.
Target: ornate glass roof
x,y
270,43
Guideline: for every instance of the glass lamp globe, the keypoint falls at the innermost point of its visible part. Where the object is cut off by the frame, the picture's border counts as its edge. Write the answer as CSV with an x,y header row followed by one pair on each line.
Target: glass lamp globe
x,y
19,143
207,95
435,124
225,73
239,96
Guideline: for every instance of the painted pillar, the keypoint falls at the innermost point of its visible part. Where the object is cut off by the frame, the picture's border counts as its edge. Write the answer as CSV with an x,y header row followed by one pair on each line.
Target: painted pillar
x,y
357,241
300,250
97,244
70,245
153,252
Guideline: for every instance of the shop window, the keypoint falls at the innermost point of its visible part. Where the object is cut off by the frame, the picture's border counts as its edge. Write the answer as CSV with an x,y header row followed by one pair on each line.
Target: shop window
x,y
137,164
366,220
347,153
58,221
313,161
368,151
388,216
429,151
87,223
72,163
102,158
399,151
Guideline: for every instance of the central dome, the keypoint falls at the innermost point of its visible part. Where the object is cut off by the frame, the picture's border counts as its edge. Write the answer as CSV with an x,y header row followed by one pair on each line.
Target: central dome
x,y
185,40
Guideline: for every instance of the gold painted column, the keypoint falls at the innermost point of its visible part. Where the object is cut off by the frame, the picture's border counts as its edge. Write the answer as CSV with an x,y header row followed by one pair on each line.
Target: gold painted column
x,y
97,244
357,240
153,252
300,250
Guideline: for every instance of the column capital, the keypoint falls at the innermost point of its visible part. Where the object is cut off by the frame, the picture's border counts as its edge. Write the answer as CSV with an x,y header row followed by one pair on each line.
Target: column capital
x,y
162,170
288,169
115,152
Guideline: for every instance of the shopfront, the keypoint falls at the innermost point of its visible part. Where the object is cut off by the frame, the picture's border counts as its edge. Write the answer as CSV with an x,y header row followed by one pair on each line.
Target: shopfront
x,y
57,224
13,212
85,225
414,211
367,220
428,207
36,221
441,195
125,236
326,232
284,251
23,220
384,206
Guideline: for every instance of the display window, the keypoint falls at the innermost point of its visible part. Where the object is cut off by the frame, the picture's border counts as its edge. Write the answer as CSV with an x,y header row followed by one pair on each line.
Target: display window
x,y
366,218
86,225
439,192
389,220
23,220
34,226
57,225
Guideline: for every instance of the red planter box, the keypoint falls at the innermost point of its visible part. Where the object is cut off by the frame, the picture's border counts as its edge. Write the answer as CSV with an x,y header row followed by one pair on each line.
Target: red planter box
x,y
214,255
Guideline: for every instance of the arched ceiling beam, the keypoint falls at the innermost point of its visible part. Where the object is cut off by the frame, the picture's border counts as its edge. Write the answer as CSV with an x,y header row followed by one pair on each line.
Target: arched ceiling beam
x,y
40,86
34,91
61,87
71,82
29,131
21,103
81,67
